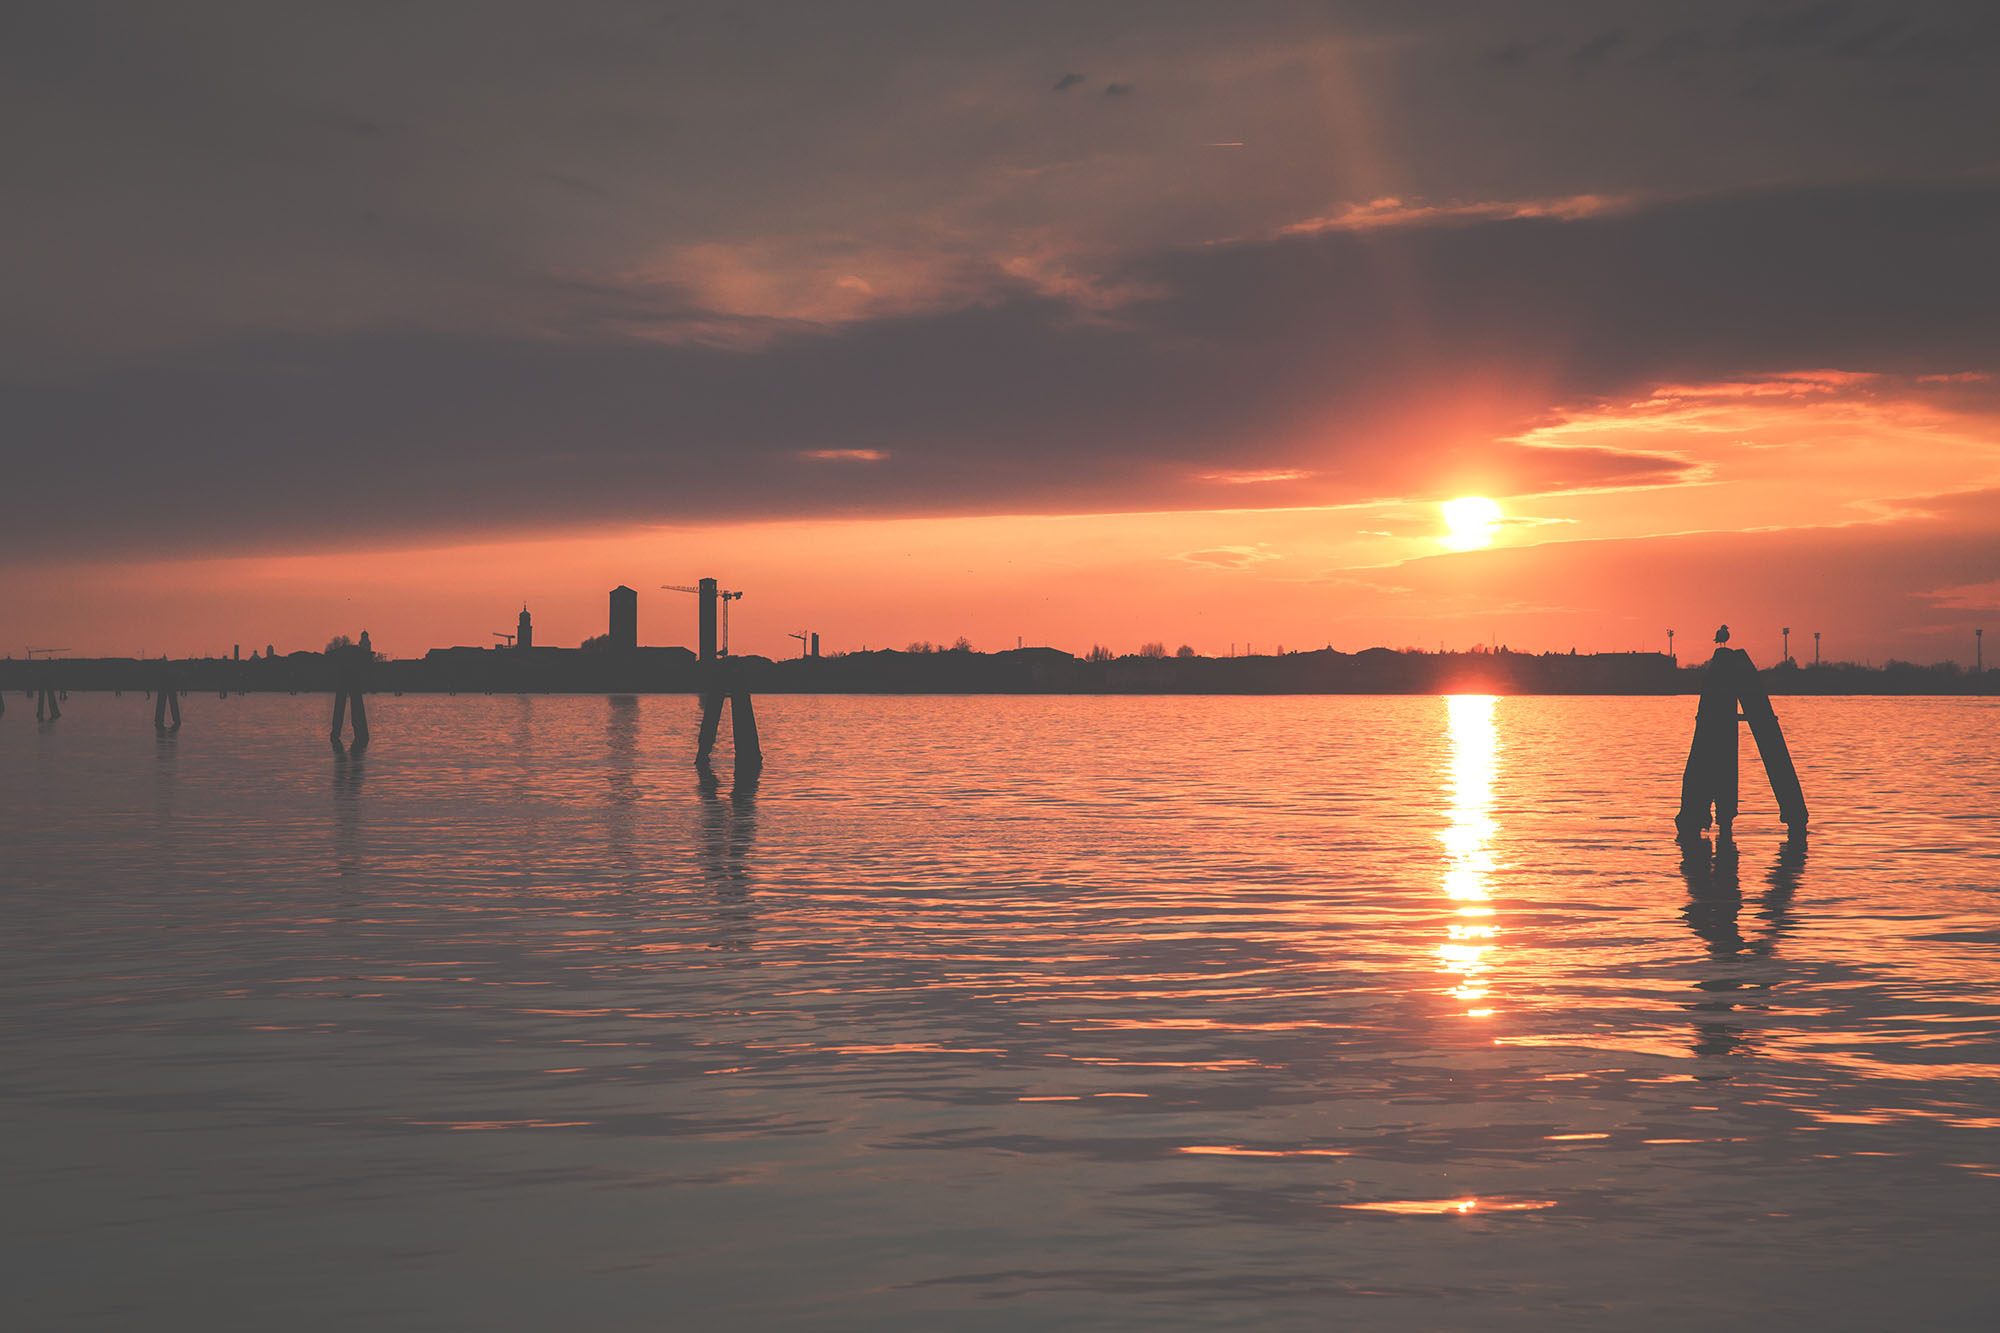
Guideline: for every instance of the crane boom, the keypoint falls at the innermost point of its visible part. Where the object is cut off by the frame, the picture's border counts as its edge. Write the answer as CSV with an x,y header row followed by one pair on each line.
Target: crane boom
x,y
709,589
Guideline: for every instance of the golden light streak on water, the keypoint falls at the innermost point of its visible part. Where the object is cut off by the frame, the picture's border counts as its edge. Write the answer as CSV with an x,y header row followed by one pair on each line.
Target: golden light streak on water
x,y
1472,760
1450,1207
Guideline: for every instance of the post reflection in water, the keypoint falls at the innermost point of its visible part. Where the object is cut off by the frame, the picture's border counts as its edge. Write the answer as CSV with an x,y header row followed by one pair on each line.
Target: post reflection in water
x,y
621,776
166,773
621,744
1714,913
1468,844
349,766
728,830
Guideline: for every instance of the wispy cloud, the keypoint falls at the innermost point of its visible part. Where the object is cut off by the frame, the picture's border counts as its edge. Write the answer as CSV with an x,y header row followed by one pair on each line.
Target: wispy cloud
x,y
1229,557
1257,478
844,455
1969,597
1390,211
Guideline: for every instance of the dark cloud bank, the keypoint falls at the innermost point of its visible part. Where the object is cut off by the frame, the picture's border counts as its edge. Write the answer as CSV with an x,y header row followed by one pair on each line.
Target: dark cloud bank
x,y
1383,362
283,276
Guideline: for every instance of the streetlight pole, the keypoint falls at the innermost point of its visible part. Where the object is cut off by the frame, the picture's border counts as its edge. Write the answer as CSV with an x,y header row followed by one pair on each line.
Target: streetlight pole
x,y
1670,644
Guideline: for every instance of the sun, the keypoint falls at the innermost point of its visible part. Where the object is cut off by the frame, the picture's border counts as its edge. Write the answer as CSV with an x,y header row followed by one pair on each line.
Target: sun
x,y
1470,522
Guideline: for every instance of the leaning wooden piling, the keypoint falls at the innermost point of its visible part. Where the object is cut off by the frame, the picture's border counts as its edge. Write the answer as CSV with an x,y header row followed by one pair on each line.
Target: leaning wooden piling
x,y
1771,747
711,722
743,723
1710,780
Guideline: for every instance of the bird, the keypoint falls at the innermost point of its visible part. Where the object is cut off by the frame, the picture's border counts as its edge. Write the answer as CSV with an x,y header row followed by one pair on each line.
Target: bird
x,y
1722,635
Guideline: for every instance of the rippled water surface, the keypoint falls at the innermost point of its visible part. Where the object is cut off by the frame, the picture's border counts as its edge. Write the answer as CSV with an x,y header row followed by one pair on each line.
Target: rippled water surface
x,y
994,1013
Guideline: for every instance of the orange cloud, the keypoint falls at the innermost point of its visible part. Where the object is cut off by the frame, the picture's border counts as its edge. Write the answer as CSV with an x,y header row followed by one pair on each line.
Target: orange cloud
x,y
1394,212
1257,478
1970,597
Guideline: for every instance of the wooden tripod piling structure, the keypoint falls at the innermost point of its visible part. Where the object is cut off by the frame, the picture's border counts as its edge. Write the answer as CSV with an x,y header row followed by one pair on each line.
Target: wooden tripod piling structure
x,y
1710,779
742,722
166,696
350,684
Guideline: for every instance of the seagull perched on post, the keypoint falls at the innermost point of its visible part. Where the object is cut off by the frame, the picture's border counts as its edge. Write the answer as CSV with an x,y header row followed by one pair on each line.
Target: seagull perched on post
x,y
1722,635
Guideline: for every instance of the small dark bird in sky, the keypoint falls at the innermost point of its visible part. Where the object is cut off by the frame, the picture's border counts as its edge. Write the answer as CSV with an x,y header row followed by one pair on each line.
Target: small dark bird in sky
x,y
1067,82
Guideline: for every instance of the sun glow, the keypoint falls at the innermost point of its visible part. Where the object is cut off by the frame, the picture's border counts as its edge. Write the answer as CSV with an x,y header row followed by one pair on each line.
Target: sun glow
x,y
1471,521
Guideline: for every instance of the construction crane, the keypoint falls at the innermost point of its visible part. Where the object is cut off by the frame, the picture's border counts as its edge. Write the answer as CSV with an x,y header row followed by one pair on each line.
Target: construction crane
x,y
44,652
713,644
801,636
503,634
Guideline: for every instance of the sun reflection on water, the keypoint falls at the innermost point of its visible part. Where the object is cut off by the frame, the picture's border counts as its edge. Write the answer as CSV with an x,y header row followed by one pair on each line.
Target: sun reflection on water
x,y
1450,1207
1468,845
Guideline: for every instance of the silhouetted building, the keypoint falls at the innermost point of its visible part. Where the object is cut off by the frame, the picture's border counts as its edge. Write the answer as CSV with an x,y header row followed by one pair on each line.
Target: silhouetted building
x,y
525,636
624,618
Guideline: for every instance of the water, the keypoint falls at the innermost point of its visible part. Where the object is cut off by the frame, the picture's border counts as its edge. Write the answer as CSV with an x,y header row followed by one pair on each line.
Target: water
x,y
994,1013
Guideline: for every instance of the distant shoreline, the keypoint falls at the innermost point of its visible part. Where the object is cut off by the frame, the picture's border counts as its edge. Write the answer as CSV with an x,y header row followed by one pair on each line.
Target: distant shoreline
x,y
1374,671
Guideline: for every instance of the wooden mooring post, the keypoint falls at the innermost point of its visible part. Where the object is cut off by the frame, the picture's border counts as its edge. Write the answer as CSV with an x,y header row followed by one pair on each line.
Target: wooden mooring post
x,y
1709,783
48,703
742,721
350,686
166,696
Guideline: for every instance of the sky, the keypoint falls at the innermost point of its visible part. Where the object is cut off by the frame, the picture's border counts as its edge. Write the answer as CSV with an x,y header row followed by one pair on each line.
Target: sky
x,y
1054,323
